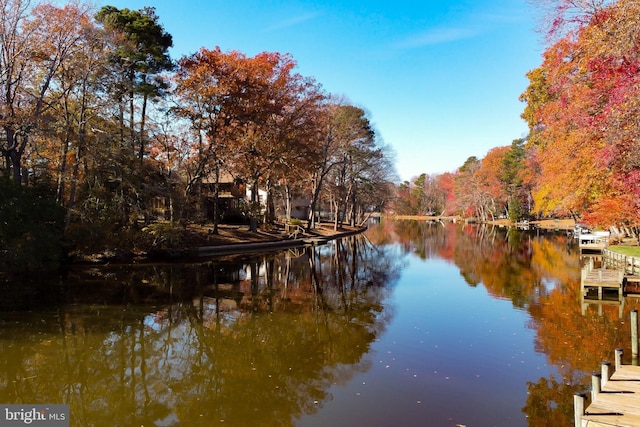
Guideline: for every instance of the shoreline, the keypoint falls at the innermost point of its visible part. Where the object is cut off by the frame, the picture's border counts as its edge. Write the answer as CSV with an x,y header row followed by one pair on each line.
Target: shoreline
x,y
199,242
548,224
315,239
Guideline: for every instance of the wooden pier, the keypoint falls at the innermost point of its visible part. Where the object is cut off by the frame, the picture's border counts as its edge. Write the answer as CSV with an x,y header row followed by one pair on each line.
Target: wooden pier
x,y
629,264
594,242
615,397
617,278
615,403
601,279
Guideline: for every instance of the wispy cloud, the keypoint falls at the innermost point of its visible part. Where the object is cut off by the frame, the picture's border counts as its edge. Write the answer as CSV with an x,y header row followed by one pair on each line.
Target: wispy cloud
x,y
436,36
291,22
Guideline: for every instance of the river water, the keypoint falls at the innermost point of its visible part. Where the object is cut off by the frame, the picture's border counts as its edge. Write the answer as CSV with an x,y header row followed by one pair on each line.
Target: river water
x,y
411,324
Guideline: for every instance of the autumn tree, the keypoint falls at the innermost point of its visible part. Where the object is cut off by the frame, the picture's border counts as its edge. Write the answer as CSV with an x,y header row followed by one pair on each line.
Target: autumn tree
x,y
403,200
356,149
469,196
34,43
560,17
536,96
278,125
323,156
445,187
218,94
611,42
490,178
434,196
296,131
564,137
74,101
582,112
423,196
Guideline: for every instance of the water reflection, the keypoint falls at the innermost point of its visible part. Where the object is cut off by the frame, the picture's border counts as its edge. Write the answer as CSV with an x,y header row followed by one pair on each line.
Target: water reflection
x,y
539,272
270,339
250,342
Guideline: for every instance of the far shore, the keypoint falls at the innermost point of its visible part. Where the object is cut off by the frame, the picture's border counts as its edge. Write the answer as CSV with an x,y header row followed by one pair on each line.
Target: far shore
x,y
550,224
199,240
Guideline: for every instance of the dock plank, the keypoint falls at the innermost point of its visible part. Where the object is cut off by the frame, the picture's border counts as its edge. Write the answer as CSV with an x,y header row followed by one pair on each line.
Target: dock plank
x,y
603,277
618,404
615,403
624,420
627,372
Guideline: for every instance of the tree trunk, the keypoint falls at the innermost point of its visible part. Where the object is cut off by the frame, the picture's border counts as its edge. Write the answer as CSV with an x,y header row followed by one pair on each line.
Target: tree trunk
x,y
315,195
288,199
65,152
253,223
14,153
121,120
216,196
270,209
132,127
74,178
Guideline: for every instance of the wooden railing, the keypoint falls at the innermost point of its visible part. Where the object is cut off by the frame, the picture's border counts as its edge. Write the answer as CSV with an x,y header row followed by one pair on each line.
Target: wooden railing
x,y
296,231
629,264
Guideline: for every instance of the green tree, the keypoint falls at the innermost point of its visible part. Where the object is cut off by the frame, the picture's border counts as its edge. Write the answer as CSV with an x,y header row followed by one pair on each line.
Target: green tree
x,y
512,176
417,194
139,56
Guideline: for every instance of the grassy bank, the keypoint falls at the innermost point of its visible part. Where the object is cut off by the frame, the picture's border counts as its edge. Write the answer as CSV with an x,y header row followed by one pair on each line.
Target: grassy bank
x,y
627,250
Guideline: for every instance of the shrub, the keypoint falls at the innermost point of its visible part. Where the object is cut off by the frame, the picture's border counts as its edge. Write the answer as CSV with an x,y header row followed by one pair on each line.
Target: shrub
x,y
31,229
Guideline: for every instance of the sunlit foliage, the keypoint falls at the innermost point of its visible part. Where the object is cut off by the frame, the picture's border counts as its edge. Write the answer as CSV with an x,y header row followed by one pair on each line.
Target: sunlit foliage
x,y
93,107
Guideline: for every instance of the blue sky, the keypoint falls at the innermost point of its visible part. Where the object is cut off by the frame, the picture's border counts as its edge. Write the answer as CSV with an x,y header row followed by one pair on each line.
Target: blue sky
x,y
440,79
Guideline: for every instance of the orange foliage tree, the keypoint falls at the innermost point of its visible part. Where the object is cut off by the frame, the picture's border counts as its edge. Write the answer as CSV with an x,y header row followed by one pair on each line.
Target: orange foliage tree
x,y
215,93
581,157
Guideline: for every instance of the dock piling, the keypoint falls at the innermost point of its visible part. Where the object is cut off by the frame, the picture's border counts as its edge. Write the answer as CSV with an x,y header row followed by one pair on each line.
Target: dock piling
x,y
596,385
634,336
605,372
615,394
578,408
618,353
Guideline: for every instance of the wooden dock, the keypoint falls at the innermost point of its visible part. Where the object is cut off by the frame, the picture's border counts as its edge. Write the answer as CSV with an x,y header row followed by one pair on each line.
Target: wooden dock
x,y
593,242
601,279
615,401
615,398
629,264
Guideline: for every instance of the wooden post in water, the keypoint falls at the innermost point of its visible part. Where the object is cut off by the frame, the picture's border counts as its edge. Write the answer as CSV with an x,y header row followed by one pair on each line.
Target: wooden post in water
x,y
618,353
605,372
634,336
578,408
596,385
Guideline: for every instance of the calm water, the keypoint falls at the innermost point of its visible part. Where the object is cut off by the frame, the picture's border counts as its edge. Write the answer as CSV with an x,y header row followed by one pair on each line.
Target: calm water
x,y
414,324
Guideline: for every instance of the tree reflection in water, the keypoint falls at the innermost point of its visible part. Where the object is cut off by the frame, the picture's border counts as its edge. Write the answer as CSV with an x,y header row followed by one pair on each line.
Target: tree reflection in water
x,y
255,341
261,340
539,272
